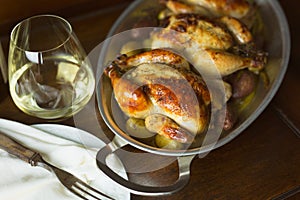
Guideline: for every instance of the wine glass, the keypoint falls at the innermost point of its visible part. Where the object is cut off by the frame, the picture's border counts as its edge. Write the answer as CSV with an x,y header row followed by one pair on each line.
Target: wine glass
x,y
50,76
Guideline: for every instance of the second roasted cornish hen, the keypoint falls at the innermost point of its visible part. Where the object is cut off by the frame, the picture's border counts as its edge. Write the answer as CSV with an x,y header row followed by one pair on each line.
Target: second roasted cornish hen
x,y
221,44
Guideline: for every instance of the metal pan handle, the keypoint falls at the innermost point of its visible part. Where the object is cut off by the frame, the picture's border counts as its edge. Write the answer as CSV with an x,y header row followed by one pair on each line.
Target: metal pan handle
x,y
183,178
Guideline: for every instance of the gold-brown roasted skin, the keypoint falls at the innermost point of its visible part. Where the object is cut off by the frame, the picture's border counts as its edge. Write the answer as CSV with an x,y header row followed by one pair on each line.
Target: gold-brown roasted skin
x,y
208,43
131,97
154,56
233,8
153,87
165,126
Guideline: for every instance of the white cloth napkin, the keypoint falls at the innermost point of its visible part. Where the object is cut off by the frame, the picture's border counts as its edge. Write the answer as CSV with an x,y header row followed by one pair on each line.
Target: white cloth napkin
x,y
66,147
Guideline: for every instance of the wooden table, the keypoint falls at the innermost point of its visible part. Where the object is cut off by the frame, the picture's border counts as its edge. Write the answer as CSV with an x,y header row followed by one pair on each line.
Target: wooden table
x,y
261,163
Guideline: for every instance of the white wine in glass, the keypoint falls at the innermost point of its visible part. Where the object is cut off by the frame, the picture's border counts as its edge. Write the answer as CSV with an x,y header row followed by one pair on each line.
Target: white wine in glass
x,y
50,76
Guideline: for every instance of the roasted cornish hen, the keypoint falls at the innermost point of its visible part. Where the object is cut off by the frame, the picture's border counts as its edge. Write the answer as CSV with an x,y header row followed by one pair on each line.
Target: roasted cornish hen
x,y
211,45
159,85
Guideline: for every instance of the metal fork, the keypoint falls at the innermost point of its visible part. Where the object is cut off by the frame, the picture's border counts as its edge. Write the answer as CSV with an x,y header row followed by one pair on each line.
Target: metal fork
x,y
74,184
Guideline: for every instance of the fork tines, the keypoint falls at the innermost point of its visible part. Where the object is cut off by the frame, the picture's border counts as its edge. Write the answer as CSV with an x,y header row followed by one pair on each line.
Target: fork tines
x,y
85,191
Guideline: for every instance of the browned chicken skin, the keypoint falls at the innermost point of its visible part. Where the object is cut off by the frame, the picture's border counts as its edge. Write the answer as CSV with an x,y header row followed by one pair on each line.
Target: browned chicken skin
x,y
165,126
130,96
154,56
233,8
209,43
157,85
169,58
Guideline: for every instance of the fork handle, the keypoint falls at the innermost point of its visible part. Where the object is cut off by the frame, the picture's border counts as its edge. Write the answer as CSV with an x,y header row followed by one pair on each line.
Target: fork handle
x,y
15,148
